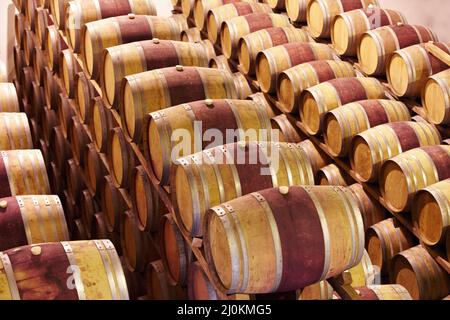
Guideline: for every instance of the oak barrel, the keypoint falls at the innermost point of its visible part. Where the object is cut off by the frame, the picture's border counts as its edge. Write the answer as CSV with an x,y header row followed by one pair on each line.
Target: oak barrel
x,y
316,156
23,172
327,239
191,35
431,212
251,44
211,177
65,113
54,44
417,271
320,14
168,87
349,27
435,98
80,12
42,20
316,101
102,122
79,139
198,285
343,123
75,270
319,291
111,32
68,68
94,169
190,123
74,182
285,128
291,82
62,151
85,93
377,46
120,158
58,12
402,176
31,219
260,98
15,131
371,148
158,287
296,10
137,57
232,30
112,204
332,175
384,292
271,62
9,102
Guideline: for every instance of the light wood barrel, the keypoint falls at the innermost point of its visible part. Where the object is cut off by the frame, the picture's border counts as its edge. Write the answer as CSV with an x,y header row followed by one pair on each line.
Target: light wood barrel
x,y
271,62
319,291
137,247
217,16
371,148
137,57
343,123
384,292
19,29
221,63
291,83
88,207
158,287
402,176
15,131
318,100
205,179
43,20
168,87
283,229
112,204
58,12
54,45
40,272
419,273
111,32
198,285
232,30
260,98
348,28
384,240
320,14
68,68
409,69
377,46
102,122
251,44
85,93
176,252
364,273
332,175
431,212
246,120
80,12
436,98
296,10
191,35
9,102
31,219
74,182
286,130
242,85
371,209
120,158
23,172
147,204
202,7
79,139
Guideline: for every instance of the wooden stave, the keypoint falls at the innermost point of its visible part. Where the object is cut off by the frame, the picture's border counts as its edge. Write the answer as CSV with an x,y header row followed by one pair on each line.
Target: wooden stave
x,y
197,275
75,183
79,139
65,114
94,169
68,68
121,158
101,124
54,46
112,204
16,131
287,130
9,101
84,97
442,81
332,175
62,150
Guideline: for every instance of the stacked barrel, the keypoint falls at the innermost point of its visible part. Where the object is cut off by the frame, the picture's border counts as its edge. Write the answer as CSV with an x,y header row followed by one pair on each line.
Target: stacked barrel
x,y
189,143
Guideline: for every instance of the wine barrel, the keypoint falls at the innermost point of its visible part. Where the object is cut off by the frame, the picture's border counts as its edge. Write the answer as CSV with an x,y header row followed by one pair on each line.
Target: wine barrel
x,y
62,151
205,179
409,69
120,157
371,148
232,30
349,27
42,20
402,176
291,82
168,87
246,120
271,62
316,101
56,182
242,85
112,204
39,64
65,114
221,63
138,247
22,172
343,123
51,88
419,273
74,181
261,99
58,12
296,10
29,46
316,156
147,204
30,7
187,8
27,78
435,98
158,288
15,131
320,14
99,231
79,139
102,122
384,240
320,290
31,219
217,16
176,253
251,44
84,94
54,45
274,216
191,35
80,12
371,210
137,57
19,29
94,169
103,34
37,103
19,64
68,68
9,102
383,292
377,46
332,175
198,285
431,212
287,131
40,272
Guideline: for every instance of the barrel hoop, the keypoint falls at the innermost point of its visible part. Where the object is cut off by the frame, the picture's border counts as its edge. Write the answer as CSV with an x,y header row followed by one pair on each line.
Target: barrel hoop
x,y
62,218
25,220
7,267
6,189
243,8
39,213
198,164
165,132
79,285
109,274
